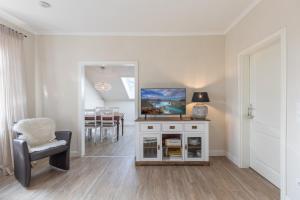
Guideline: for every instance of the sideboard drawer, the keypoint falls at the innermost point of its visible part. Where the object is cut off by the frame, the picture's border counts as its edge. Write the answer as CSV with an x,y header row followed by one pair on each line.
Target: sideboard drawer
x,y
171,127
196,127
150,127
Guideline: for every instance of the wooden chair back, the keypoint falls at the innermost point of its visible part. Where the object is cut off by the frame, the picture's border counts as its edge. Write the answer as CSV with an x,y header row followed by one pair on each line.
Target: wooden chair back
x,y
92,117
107,118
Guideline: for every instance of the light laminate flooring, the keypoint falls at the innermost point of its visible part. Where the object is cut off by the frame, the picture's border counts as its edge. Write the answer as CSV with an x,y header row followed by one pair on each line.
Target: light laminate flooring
x,y
124,147
106,178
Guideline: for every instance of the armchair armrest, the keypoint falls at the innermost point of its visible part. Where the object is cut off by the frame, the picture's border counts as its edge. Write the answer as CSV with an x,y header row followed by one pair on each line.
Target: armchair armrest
x,y
20,147
62,160
64,135
22,166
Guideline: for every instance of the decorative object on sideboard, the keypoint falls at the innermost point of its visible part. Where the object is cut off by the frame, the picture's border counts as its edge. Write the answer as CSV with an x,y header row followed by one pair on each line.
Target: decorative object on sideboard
x,y
200,110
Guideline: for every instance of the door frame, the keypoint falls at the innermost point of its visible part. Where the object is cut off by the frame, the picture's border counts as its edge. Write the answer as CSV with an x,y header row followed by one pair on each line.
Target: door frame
x,y
244,94
82,65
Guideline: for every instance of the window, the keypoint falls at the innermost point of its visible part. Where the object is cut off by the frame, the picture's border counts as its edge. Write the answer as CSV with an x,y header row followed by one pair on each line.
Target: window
x,y
129,84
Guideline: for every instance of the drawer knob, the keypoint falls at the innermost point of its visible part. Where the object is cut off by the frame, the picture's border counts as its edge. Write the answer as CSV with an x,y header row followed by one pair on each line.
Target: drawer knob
x,y
150,127
172,127
194,127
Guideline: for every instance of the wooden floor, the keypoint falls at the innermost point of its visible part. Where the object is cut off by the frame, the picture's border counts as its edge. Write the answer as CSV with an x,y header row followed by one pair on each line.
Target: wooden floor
x,y
124,147
116,177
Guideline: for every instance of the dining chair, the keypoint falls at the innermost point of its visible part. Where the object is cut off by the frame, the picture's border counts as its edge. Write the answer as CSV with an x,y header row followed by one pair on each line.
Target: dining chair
x,y
92,123
101,108
108,123
115,109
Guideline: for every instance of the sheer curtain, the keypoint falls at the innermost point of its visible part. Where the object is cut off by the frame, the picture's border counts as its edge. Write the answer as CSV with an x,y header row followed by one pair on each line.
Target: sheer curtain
x,y
12,92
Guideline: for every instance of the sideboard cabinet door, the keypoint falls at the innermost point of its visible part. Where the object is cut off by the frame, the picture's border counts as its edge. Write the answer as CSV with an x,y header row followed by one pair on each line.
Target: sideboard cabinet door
x,y
150,147
195,146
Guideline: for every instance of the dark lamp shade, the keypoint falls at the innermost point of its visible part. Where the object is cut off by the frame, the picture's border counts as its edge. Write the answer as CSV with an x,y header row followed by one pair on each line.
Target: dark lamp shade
x,y
200,97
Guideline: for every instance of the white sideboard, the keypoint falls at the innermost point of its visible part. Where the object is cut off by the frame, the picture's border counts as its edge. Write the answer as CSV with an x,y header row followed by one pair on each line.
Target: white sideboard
x,y
175,141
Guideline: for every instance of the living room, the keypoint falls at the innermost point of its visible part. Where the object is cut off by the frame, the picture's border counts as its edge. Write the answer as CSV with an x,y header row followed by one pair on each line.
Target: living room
x,y
198,46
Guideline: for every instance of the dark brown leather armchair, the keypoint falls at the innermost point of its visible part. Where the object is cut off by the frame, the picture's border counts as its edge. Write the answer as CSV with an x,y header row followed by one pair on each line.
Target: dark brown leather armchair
x,y
59,156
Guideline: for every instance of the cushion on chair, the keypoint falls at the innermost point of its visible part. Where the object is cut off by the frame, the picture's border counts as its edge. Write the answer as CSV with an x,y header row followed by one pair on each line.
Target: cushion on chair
x,y
36,131
53,144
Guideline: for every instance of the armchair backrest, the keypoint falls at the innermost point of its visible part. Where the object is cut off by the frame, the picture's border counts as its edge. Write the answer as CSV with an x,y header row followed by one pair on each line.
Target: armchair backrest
x,y
36,131
115,109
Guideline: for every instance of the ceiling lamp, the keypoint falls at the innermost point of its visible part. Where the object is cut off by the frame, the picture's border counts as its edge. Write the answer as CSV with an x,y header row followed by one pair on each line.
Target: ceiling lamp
x,y
102,86
45,4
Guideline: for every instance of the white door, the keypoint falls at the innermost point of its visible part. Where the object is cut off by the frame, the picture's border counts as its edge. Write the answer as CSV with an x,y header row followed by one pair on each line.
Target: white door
x,y
265,99
151,147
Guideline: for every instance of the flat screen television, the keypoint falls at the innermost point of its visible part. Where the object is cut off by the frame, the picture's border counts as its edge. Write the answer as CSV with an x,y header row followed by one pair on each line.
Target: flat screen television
x,y
163,101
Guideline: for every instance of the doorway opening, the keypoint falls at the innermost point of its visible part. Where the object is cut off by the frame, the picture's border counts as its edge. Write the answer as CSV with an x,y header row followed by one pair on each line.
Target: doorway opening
x,y
262,108
108,108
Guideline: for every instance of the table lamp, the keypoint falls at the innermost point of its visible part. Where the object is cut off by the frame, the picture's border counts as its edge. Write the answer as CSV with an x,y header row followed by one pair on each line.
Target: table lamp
x,y
200,110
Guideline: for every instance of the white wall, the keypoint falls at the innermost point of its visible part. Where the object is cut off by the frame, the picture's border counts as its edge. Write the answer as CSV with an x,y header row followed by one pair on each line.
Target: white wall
x,y
126,107
195,62
267,18
92,98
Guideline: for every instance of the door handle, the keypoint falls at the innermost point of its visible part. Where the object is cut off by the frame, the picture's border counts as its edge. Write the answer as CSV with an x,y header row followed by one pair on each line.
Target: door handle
x,y
158,147
250,112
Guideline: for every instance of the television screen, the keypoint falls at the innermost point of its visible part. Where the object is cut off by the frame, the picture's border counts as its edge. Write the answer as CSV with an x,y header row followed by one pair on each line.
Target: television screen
x,y
163,101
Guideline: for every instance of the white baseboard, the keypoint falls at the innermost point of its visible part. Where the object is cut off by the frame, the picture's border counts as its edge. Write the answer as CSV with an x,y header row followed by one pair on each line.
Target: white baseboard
x,y
233,158
287,198
129,125
74,154
214,152
217,152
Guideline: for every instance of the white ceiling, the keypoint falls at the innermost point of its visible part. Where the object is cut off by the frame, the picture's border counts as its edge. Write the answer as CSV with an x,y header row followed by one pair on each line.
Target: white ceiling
x,y
111,74
109,17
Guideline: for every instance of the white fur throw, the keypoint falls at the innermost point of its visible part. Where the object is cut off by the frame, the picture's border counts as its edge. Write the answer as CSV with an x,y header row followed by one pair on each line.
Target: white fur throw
x,y
36,131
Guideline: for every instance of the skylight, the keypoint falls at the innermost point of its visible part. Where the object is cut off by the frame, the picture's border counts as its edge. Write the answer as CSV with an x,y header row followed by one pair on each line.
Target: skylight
x,y
129,84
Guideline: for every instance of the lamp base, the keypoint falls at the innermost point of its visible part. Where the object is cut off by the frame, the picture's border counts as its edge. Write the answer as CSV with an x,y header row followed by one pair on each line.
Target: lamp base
x,y
199,111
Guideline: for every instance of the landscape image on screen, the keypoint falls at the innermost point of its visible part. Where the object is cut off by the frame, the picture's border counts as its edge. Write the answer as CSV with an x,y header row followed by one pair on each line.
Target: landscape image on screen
x,y
171,101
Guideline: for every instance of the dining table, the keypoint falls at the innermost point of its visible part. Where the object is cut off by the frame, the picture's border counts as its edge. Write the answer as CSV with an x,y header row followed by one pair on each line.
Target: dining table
x,y
119,120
